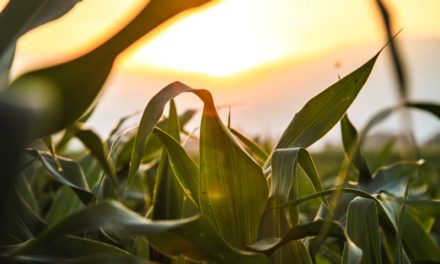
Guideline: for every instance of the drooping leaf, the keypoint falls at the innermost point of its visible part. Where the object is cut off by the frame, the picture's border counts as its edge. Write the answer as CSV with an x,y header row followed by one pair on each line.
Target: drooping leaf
x,y
324,110
363,228
199,240
232,188
352,253
391,179
352,150
433,108
73,249
382,115
193,237
70,175
152,113
79,81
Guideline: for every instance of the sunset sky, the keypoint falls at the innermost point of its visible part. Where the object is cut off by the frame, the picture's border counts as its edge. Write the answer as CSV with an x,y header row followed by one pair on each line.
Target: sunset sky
x,y
230,36
238,47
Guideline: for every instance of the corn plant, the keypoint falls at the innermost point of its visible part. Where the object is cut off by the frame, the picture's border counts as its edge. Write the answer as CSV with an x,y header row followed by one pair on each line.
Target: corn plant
x,y
140,196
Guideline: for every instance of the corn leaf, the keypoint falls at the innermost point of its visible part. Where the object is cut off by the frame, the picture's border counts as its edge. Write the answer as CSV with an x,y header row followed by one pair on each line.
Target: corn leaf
x,y
392,179
232,188
168,196
250,145
276,223
352,254
196,233
93,142
69,174
352,151
23,220
202,242
65,203
418,243
152,113
363,228
432,108
184,167
324,110
73,249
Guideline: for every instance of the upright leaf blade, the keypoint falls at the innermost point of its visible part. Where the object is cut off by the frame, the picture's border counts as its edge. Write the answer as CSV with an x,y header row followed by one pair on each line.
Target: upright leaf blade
x,y
184,167
233,188
363,229
352,150
168,196
323,111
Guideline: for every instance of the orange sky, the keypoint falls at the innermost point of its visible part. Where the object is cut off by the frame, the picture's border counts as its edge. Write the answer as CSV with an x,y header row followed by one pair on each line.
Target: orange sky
x,y
226,37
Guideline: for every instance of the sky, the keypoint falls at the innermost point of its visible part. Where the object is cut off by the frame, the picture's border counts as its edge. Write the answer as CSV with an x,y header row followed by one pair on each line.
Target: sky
x,y
255,54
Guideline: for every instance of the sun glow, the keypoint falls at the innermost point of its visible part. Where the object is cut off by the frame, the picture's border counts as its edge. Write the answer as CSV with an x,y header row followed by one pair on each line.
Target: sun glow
x,y
224,39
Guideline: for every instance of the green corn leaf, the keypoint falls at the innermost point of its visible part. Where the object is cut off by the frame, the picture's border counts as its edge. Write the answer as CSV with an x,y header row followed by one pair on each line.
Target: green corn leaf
x,y
426,207
73,249
363,228
251,146
232,189
168,196
78,82
382,115
352,253
152,113
184,167
65,203
419,244
275,223
196,233
352,151
433,108
93,142
417,241
392,179
202,242
70,175
23,220
324,110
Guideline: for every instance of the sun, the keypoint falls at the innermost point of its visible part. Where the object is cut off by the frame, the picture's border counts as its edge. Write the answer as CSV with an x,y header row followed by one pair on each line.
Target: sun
x,y
227,38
